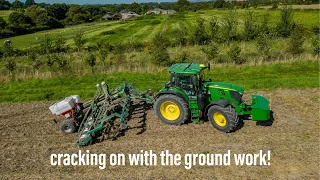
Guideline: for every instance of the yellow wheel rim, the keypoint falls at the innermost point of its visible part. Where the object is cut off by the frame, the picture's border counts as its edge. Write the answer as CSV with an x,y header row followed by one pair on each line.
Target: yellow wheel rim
x,y
219,119
170,110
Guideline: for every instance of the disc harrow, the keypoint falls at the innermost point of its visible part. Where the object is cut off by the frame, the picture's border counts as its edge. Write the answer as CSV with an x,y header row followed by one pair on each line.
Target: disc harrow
x,y
108,106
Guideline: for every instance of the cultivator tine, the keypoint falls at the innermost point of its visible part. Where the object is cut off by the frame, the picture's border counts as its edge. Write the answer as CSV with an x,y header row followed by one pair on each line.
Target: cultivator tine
x,y
105,108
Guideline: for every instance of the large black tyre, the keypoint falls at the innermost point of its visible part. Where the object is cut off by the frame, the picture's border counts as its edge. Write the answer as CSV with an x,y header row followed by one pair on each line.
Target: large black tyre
x,y
171,109
68,127
224,119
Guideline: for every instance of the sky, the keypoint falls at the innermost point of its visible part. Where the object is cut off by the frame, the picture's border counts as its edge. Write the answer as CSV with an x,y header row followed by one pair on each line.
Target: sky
x,y
99,1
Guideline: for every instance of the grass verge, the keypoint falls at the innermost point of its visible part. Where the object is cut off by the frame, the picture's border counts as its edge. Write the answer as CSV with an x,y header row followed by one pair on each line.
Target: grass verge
x,y
267,76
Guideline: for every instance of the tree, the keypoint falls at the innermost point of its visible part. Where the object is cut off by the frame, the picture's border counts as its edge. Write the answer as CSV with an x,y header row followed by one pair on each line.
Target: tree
x,y
234,54
3,23
200,35
4,5
265,24
54,23
160,55
211,50
17,4
296,41
10,65
263,44
182,3
286,24
145,8
250,27
91,61
214,29
18,18
104,49
75,9
229,27
79,40
46,44
8,49
219,4
135,7
59,43
316,45
37,14
29,3
58,11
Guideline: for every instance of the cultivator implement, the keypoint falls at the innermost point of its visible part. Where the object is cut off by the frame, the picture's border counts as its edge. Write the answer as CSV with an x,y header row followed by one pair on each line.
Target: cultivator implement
x,y
106,107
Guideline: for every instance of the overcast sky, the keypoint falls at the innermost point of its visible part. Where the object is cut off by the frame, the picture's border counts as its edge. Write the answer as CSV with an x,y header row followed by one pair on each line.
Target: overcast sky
x,y
98,1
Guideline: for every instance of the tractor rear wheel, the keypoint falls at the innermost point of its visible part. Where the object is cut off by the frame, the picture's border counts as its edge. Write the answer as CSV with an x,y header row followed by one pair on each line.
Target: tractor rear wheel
x,y
224,119
171,109
68,126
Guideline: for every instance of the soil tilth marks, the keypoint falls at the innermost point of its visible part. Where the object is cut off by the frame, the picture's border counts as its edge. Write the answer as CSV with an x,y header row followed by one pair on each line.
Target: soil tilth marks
x,y
29,137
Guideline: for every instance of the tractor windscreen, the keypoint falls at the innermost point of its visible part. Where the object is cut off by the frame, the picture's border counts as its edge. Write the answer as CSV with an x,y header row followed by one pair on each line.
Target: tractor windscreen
x,y
183,81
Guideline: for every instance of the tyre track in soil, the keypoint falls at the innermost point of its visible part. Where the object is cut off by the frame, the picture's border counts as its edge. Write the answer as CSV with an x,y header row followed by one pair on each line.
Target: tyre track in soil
x,y
29,137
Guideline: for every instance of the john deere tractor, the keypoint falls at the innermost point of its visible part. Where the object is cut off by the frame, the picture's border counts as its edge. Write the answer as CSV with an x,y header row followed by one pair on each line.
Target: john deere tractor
x,y
189,96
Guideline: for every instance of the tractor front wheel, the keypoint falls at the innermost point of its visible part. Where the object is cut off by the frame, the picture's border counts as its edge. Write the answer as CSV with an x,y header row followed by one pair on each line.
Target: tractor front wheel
x,y
171,109
68,127
224,119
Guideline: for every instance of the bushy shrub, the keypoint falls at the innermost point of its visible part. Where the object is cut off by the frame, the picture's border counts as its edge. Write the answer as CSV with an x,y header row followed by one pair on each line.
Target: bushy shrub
x,y
200,35
133,44
46,44
234,54
79,40
214,29
154,22
159,52
10,64
263,44
296,41
183,56
107,33
91,61
264,27
250,27
285,25
229,27
316,45
180,36
120,50
211,50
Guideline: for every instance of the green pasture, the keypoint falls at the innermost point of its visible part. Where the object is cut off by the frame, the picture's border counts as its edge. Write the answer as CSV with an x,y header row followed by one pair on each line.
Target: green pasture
x,y
5,14
144,28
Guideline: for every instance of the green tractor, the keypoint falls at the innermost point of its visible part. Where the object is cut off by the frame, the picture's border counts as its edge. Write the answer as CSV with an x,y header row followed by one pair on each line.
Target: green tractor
x,y
188,96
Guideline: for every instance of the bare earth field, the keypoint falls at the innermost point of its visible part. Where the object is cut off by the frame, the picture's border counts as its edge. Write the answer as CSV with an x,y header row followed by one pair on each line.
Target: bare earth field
x,y
29,137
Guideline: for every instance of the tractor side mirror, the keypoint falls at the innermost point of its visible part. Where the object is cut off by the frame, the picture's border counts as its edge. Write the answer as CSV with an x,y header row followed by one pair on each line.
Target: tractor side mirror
x,y
209,66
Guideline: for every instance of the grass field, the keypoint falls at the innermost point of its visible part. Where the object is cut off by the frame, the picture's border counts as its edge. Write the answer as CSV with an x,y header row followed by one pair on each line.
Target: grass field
x,y
146,28
5,14
267,76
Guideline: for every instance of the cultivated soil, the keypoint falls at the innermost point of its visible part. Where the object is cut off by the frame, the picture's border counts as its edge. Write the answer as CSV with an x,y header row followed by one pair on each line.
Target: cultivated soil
x,y
29,137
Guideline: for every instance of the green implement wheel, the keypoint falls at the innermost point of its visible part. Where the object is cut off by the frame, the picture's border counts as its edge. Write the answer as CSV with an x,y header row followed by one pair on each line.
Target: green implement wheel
x,y
68,126
171,109
224,119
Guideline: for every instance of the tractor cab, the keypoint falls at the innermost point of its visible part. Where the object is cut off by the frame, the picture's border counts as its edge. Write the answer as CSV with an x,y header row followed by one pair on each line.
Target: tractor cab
x,y
187,77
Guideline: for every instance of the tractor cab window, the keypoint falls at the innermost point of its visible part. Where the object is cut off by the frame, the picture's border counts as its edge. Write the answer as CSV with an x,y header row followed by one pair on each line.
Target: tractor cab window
x,y
183,81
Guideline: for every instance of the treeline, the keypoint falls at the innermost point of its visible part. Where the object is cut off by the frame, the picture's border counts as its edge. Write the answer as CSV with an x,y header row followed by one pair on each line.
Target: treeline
x,y
30,17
